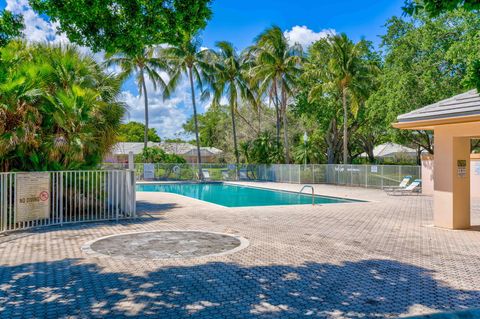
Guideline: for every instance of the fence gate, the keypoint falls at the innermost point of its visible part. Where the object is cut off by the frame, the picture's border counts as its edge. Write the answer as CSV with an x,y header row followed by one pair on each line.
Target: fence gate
x,y
34,199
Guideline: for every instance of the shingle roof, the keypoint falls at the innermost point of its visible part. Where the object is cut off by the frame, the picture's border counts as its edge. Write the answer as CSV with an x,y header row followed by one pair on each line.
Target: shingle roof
x,y
464,104
127,147
124,148
188,149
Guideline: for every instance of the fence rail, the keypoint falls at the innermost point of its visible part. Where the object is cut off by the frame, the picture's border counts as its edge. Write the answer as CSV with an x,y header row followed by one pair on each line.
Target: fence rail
x,y
67,197
372,176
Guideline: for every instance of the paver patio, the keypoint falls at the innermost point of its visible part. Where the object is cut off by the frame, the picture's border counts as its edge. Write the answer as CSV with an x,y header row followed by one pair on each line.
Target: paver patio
x,y
359,260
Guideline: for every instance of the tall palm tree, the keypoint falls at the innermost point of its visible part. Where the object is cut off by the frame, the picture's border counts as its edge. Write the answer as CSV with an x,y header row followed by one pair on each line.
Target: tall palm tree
x,y
188,58
229,81
277,66
347,73
141,64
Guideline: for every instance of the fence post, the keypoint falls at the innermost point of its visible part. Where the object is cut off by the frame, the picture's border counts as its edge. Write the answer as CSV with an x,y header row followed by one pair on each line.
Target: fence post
x,y
366,176
381,176
61,198
134,194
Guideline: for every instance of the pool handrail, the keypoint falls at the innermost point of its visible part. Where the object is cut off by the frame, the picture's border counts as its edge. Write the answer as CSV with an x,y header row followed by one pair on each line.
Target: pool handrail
x,y
313,192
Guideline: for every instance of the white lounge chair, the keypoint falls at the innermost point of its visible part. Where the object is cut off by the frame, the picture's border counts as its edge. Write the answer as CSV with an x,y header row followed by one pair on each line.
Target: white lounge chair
x,y
402,184
206,174
414,188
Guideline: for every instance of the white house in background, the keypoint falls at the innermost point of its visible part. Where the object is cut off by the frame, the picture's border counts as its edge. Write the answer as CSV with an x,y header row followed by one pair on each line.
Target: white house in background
x,y
392,152
120,151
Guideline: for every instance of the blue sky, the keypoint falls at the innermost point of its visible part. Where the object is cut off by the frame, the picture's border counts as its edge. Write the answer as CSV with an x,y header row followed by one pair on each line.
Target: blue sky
x,y
239,22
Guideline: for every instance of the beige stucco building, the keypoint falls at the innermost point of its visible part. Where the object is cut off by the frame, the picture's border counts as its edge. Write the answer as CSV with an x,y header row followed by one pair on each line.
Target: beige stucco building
x,y
454,121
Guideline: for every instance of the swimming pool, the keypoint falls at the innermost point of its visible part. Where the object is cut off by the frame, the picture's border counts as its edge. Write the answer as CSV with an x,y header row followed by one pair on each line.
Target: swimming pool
x,y
239,196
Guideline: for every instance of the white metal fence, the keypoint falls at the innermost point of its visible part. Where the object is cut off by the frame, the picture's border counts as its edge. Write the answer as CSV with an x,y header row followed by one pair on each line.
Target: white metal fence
x,y
373,176
72,196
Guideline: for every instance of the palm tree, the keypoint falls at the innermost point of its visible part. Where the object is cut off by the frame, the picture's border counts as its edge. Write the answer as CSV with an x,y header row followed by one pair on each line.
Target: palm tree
x,y
59,109
142,64
230,81
189,59
347,73
277,66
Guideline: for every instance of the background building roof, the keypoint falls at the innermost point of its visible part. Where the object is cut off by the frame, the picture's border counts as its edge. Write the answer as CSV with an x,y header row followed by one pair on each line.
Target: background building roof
x,y
123,148
391,150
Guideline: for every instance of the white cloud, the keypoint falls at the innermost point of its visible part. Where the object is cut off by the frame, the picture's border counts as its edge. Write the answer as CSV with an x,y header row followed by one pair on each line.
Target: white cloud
x,y
36,29
306,36
167,117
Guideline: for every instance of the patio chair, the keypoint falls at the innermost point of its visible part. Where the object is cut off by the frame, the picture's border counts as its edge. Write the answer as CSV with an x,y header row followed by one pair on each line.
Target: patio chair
x,y
415,188
402,184
225,174
243,174
206,174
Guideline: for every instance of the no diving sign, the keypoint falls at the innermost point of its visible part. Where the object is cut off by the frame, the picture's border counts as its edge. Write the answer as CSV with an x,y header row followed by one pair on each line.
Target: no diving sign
x,y
32,196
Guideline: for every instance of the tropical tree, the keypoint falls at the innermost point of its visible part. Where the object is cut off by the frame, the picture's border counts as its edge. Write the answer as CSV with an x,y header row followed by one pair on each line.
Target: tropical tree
x,y
11,26
306,152
229,81
189,59
141,65
157,155
59,109
135,131
276,68
126,26
347,72
262,150
426,60
437,7
213,127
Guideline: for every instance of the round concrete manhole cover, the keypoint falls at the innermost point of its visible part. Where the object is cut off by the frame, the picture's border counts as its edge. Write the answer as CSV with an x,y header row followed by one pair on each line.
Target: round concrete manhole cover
x,y
165,245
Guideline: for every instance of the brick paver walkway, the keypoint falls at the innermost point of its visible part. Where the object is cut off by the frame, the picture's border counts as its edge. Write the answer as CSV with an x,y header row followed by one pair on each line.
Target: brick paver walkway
x,y
361,260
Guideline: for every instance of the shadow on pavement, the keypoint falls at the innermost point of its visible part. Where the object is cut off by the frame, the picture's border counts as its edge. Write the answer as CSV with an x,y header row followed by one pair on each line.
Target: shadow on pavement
x,y
365,289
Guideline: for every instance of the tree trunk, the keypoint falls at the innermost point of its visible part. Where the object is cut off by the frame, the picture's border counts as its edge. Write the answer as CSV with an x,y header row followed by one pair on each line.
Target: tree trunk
x,y
368,146
199,157
419,155
235,146
285,125
145,97
277,111
371,157
259,121
332,142
345,127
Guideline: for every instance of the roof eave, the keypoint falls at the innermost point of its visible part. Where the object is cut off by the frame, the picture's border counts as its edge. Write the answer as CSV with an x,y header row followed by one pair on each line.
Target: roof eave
x,y
431,123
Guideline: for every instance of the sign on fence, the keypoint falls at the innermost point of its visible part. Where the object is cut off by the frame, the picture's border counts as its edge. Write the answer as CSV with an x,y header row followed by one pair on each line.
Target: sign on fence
x,y
148,171
32,196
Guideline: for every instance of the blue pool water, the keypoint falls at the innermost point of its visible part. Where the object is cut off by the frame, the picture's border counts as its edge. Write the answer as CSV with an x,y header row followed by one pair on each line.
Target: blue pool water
x,y
239,196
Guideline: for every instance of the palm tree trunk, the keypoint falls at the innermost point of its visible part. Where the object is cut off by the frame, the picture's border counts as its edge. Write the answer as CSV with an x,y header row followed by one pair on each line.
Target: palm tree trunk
x,y
285,125
277,111
234,128
199,158
145,97
259,121
345,126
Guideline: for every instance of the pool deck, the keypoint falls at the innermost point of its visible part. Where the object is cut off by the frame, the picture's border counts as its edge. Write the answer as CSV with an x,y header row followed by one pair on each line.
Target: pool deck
x,y
376,259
